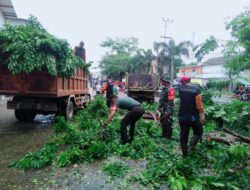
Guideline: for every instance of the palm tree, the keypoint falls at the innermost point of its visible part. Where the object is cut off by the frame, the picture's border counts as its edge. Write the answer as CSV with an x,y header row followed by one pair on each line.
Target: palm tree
x,y
141,61
170,52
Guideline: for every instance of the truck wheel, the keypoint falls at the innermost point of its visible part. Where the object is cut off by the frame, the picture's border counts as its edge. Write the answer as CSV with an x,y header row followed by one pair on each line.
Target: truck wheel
x,y
25,115
20,115
69,111
30,115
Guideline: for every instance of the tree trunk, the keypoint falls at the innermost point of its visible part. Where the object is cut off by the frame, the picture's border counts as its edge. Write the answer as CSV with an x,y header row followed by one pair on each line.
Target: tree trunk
x,y
172,70
211,137
231,82
243,138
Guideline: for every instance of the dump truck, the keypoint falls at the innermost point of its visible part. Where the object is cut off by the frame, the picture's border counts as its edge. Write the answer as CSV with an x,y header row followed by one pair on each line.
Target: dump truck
x,y
142,87
41,93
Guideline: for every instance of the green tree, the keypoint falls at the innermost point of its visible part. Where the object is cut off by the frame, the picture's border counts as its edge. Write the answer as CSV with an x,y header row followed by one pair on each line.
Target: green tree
x,y
169,53
118,57
121,45
237,50
141,61
115,65
162,57
204,48
232,56
240,31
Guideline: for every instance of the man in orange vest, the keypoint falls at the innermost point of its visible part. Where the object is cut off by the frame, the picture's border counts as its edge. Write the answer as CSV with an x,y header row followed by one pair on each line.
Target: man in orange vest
x,y
166,107
191,114
109,89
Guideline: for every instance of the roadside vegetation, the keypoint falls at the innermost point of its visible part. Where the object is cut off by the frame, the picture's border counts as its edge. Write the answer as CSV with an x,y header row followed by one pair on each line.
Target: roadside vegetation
x,y
214,165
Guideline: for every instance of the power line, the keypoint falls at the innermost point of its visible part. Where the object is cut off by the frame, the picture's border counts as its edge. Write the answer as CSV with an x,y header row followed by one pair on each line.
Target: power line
x,y
166,22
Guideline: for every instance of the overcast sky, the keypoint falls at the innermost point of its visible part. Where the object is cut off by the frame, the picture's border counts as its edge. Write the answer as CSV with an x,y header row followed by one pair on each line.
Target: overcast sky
x,y
94,20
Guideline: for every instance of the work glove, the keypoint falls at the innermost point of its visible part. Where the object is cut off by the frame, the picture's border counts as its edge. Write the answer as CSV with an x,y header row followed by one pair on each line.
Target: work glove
x,y
104,125
201,118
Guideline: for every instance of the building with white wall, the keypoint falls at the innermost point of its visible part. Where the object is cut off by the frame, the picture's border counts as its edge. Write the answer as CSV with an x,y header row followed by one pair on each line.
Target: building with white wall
x,y
213,69
8,14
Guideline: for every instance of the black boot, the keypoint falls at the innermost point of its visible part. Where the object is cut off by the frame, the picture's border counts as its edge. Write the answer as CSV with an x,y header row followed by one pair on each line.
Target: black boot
x,y
184,149
169,132
193,143
124,136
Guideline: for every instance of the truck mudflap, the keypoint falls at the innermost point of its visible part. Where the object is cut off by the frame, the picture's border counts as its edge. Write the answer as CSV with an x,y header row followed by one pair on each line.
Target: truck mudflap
x,y
41,106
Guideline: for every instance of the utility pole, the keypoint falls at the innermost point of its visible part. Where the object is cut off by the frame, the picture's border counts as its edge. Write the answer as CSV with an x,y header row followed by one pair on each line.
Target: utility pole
x,y
165,37
193,38
166,22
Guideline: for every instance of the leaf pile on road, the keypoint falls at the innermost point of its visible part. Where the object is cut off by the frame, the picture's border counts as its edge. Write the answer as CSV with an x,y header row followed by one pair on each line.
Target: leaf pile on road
x,y
212,166
30,47
116,169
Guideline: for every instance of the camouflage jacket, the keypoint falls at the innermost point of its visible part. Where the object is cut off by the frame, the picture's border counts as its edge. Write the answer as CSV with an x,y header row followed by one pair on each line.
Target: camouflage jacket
x,y
165,105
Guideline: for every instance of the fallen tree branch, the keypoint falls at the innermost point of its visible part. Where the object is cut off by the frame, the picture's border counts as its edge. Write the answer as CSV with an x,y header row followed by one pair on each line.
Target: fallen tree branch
x,y
211,137
150,116
243,138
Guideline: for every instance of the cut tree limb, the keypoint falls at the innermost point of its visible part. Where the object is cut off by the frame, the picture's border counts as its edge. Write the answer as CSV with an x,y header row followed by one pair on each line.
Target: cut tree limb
x,y
149,115
243,138
211,137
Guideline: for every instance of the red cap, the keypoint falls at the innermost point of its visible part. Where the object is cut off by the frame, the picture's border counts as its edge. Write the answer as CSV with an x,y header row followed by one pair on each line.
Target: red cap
x,y
185,79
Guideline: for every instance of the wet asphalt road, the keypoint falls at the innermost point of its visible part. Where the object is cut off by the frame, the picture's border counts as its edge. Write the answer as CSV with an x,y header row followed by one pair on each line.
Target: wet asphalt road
x,y
9,124
222,100
16,139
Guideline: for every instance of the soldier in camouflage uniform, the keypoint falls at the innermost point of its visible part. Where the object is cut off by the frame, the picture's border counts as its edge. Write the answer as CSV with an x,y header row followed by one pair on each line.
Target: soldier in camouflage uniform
x,y
166,108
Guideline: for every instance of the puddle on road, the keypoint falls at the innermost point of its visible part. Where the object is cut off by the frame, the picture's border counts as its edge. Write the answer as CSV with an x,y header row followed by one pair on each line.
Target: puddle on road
x,y
222,100
16,139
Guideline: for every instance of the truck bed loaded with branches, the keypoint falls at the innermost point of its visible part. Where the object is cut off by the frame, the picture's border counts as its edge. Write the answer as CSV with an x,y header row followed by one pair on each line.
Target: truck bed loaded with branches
x,y
40,71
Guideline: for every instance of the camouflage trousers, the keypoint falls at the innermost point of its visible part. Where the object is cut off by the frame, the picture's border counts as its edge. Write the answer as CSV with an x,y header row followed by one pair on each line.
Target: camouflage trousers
x,y
166,124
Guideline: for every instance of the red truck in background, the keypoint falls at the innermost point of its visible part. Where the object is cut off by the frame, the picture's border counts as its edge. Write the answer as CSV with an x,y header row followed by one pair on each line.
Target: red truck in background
x,y
41,93
120,85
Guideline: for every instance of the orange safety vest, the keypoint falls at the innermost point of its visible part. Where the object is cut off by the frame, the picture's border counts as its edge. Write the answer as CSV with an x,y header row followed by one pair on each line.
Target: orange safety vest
x,y
171,94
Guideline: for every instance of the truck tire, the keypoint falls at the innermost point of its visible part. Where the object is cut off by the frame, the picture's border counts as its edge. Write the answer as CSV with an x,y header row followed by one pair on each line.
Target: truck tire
x,y
30,115
69,111
20,116
25,115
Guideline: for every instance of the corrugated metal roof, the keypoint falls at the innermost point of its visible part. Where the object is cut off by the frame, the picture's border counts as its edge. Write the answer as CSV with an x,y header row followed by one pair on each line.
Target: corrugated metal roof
x,y
7,8
211,61
214,61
